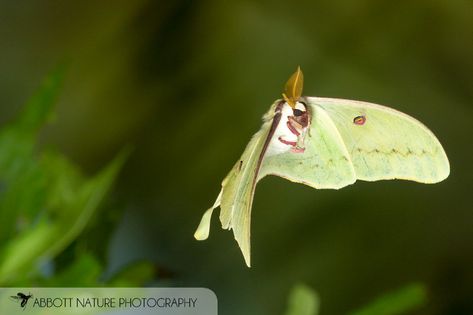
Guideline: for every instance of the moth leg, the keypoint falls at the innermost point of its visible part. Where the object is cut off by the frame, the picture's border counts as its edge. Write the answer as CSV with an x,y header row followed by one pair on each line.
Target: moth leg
x,y
292,128
290,143
295,123
294,147
297,149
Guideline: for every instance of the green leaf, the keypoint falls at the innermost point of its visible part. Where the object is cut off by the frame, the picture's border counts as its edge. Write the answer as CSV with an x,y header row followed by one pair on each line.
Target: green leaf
x,y
45,201
53,233
302,301
398,302
22,180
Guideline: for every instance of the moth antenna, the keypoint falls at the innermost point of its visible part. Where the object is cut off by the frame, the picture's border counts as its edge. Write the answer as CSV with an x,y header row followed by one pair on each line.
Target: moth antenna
x,y
293,88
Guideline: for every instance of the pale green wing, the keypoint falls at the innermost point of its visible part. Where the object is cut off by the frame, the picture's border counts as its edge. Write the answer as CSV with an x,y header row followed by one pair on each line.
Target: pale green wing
x,y
346,140
388,145
236,197
325,163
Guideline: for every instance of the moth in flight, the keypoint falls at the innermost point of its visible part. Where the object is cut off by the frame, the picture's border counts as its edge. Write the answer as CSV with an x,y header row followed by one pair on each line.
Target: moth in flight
x,y
325,143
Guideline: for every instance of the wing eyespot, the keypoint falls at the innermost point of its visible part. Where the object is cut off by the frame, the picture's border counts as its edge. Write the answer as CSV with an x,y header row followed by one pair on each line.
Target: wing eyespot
x,y
359,120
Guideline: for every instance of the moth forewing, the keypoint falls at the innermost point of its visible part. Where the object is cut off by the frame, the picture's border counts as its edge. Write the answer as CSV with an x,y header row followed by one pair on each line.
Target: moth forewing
x,y
385,143
324,162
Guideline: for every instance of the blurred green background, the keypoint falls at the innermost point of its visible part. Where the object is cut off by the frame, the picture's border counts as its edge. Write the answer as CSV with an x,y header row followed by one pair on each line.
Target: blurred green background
x,y
160,97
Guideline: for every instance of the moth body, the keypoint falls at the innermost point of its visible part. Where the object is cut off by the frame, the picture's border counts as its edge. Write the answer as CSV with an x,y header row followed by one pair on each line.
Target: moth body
x,y
291,129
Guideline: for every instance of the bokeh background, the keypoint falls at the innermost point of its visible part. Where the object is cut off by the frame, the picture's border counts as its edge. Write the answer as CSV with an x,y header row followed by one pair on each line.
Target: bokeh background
x,y
184,84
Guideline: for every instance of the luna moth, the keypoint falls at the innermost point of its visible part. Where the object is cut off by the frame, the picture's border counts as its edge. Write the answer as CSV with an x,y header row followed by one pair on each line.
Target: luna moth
x,y
325,143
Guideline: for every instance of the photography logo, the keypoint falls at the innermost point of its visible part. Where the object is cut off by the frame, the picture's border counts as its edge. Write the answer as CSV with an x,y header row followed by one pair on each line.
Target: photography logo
x,y
22,298
137,301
